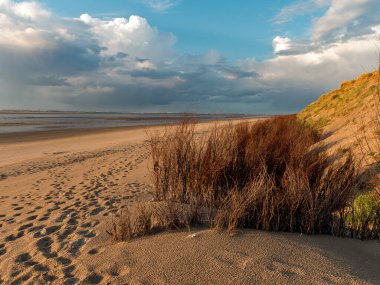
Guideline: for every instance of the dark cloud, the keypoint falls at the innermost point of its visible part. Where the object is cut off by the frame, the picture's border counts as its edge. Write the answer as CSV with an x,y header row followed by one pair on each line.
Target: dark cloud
x,y
152,74
51,80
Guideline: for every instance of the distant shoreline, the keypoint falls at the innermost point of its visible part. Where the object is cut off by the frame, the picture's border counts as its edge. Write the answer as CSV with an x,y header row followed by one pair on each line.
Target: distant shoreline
x,y
47,112
22,123
31,136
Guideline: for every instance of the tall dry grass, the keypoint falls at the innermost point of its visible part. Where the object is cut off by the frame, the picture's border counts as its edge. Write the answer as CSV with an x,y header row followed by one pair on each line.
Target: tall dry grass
x,y
267,175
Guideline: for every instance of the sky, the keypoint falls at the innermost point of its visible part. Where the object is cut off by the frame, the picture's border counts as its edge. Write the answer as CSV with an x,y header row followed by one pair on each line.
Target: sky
x,y
207,56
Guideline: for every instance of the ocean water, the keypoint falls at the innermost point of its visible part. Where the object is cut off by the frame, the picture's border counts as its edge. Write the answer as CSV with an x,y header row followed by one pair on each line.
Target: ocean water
x,y
13,122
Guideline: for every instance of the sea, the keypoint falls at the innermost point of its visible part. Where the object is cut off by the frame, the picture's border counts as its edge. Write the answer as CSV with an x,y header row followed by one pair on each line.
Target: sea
x,y
34,121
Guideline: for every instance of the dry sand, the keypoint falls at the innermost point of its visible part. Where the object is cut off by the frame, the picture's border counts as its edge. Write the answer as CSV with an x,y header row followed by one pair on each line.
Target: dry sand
x,y
57,196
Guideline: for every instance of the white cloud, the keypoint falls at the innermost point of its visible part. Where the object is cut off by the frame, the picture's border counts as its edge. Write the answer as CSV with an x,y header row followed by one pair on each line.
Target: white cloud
x,y
281,44
288,13
133,36
20,24
145,64
160,5
30,10
297,79
342,45
342,19
26,38
340,14
65,34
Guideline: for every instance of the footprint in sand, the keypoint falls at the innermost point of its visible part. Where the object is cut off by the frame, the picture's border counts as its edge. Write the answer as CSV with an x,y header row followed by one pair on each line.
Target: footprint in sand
x,y
40,268
2,250
35,229
71,281
64,261
76,245
21,280
68,272
44,218
93,278
31,218
42,231
13,237
25,226
67,231
86,233
44,246
285,268
23,257
92,251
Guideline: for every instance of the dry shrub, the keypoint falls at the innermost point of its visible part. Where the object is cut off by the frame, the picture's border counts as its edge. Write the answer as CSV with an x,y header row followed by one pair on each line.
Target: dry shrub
x,y
121,228
268,175
152,218
142,223
171,215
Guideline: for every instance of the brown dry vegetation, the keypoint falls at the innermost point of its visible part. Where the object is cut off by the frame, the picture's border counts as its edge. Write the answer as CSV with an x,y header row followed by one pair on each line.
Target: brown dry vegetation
x,y
269,175
264,175
151,218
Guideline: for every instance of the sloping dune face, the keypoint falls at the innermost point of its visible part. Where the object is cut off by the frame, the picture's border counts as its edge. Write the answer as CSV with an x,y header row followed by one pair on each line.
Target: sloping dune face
x,y
349,115
354,100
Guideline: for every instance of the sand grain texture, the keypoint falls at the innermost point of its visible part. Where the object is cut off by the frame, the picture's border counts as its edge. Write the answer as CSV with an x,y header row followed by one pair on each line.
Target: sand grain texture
x,y
57,198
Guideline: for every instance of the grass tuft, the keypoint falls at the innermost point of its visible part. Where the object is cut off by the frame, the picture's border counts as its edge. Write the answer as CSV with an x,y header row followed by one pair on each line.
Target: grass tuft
x,y
364,217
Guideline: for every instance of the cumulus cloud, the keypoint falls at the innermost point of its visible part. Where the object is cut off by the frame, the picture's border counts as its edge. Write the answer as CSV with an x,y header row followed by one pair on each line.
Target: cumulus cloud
x,y
133,36
299,78
27,10
20,24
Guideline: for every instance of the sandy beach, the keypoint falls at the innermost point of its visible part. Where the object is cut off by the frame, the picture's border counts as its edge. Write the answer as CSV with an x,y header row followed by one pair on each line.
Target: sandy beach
x,y
57,197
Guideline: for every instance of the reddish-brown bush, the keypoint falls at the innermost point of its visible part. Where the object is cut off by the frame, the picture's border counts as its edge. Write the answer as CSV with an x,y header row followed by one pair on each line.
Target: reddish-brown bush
x,y
265,175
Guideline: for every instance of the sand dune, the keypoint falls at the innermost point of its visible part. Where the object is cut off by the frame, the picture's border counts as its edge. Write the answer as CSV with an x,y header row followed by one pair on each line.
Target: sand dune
x,y
57,197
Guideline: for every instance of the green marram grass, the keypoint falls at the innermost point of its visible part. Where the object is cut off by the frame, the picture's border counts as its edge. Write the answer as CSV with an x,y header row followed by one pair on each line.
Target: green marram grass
x,y
339,103
364,218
